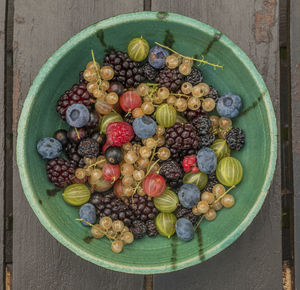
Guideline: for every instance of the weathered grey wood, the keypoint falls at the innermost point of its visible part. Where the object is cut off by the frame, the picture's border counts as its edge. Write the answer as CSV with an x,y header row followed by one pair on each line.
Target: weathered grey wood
x,y
2,135
254,260
295,106
40,262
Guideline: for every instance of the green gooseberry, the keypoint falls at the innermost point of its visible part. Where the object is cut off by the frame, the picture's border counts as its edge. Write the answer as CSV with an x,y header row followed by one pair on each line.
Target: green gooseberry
x,y
229,171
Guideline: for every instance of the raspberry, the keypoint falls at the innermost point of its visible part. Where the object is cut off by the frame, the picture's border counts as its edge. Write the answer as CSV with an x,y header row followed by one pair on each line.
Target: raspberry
x,y
189,164
119,133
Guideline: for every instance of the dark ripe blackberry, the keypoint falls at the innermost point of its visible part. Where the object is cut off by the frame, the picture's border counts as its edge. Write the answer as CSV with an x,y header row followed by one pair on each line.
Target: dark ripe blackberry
x,y
181,138
110,205
94,120
202,124
88,147
73,156
213,93
151,228
75,135
142,208
82,79
206,140
191,114
172,172
169,78
78,94
195,77
60,172
127,71
182,212
138,229
212,180
149,72
96,198
235,139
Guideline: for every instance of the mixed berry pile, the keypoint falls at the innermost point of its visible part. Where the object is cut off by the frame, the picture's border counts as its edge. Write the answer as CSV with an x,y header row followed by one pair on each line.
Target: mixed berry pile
x,y
148,147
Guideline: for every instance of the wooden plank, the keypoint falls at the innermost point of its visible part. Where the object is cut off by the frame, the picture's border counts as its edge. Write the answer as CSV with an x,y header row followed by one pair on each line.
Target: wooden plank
x,y
40,262
295,107
2,136
254,260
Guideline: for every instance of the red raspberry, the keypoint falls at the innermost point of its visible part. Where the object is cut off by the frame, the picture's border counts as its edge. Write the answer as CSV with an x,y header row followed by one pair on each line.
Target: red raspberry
x,y
189,164
118,133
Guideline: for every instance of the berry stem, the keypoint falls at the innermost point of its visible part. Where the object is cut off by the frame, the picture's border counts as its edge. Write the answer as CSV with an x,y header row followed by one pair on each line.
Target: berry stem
x,y
199,222
82,220
78,136
97,71
191,58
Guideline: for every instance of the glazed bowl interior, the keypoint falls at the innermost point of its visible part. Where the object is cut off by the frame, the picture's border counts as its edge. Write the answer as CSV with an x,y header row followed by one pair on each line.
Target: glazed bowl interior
x,y
239,76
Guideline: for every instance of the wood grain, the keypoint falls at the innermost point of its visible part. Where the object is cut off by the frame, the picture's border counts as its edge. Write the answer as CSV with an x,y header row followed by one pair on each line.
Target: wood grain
x,y
2,136
40,262
254,260
295,105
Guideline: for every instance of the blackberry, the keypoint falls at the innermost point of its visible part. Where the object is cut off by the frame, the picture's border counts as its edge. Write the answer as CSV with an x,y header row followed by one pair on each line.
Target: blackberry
x,y
88,147
73,156
151,228
202,125
213,93
172,172
60,172
181,139
78,94
206,140
138,229
127,71
235,139
149,72
182,212
195,77
192,114
212,180
82,79
110,205
169,78
142,208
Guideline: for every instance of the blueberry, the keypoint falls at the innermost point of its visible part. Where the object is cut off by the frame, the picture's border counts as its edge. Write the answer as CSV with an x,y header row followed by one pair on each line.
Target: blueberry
x,y
229,105
49,148
207,160
157,56
184,229
87,212
189,195
77,115
144,127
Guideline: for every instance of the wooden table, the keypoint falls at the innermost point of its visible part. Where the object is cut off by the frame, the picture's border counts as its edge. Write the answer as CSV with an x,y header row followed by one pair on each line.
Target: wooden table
x,y
30,32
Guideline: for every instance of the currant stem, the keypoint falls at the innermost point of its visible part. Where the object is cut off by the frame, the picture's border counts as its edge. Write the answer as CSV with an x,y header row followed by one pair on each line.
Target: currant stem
x,y
191,58
199,222
97,71
78,136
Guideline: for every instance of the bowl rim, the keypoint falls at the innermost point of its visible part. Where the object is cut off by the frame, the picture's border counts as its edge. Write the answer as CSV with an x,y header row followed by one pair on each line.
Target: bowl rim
x,y
55,58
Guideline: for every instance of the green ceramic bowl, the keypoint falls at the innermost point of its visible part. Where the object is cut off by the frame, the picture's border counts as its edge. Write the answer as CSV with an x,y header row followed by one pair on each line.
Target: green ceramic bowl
x,y
39,119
